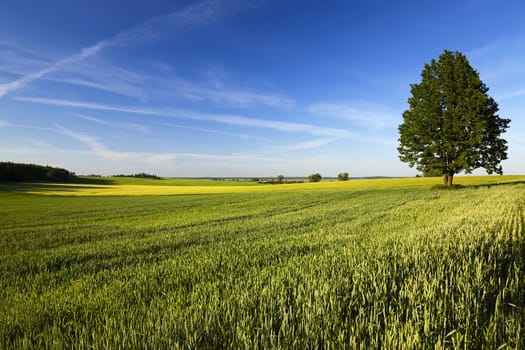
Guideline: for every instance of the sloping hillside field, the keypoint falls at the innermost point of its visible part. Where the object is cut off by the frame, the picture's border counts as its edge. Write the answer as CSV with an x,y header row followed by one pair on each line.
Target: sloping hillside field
x,y
366,264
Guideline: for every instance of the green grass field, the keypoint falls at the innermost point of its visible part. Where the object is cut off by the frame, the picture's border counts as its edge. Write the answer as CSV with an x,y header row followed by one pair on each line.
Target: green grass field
x,y
363,264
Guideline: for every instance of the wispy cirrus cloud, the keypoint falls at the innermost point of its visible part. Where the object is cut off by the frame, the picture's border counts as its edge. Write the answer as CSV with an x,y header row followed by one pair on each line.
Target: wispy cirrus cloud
x,y
102,159
512,94
18,60
295,147
98,74
145,129
104,76
275,148
26,79
29,127
100,150
213,131
194,15
187,114
500,65
223,95
500,60
160,160
365,114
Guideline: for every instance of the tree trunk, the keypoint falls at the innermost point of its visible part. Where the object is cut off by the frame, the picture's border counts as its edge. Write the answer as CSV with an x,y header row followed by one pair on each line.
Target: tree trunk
x,y
449,180
445,179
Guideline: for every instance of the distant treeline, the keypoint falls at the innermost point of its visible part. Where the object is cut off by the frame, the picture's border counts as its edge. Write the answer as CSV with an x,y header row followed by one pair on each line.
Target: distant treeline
x,y
140,175
32,172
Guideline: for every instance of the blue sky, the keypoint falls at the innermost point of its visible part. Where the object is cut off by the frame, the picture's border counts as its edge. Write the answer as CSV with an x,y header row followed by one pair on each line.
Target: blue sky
x,y
239,88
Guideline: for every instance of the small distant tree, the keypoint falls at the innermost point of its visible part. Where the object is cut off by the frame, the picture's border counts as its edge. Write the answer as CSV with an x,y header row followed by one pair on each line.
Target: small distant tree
x,y
342,176
280,179
315,177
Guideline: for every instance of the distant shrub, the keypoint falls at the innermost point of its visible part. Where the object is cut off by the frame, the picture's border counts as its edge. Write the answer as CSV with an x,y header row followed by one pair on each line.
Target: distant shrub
x,y
343,176
315,177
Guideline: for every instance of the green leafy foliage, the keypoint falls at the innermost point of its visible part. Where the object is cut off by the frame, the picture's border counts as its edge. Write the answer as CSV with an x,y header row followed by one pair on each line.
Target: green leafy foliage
x,y
315,177
452,124
370,269
343,176
31,172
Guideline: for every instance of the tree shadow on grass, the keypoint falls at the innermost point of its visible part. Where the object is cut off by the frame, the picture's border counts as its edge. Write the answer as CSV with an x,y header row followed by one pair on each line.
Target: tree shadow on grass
x,y
76,184
487,185
503,183
92,181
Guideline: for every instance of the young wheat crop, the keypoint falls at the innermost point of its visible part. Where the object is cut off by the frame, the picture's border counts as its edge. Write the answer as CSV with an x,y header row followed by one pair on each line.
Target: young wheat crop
x,y
410,268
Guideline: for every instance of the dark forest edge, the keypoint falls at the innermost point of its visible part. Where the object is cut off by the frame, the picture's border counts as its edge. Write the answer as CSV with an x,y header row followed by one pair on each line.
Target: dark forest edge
x,y
32,172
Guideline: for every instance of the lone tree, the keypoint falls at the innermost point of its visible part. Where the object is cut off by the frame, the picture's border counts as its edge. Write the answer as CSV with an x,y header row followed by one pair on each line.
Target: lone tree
x,y
315,177
342,176
452,124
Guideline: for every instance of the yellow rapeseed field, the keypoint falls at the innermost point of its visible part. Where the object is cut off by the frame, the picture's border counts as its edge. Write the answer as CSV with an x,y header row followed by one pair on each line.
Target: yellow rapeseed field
x,y
173,188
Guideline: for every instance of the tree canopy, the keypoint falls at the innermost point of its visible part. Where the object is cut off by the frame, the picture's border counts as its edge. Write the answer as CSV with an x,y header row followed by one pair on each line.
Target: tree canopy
x,y
31,172
315,177
342,176
452,124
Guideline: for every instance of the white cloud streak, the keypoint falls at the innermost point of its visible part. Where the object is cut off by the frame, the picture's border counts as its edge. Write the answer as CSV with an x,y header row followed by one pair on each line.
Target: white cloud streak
x,y
100,150
106,77
99,158
26,79
165,161
294,147
501,61
96,73
217,118
193,15
212,131
115,85
145,129
517,93
221,95
368,115
29,127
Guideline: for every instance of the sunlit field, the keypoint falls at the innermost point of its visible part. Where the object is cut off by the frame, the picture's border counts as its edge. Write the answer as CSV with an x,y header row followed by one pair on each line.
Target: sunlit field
x,y
140,187
363,264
